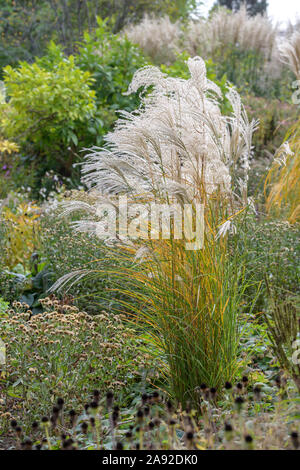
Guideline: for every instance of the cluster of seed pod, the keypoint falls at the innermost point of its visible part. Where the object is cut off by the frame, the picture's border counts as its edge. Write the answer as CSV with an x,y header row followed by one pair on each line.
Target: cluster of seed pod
x,y
156,424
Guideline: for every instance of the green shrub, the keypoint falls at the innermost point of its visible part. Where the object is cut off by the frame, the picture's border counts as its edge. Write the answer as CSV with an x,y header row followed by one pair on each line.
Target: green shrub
x,y
48,111
22,275
251,72
59,105
26,27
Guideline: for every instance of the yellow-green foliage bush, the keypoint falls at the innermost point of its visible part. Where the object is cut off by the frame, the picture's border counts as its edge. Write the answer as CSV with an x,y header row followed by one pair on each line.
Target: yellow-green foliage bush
x,y
7,147
21,234
47,108
7,151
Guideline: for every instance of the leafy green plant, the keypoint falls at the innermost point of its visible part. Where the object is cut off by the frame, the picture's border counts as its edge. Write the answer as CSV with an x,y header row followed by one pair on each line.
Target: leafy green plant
x,y
11,285
61,104
18,238
21,233
27,285
48,111
66,21
243,68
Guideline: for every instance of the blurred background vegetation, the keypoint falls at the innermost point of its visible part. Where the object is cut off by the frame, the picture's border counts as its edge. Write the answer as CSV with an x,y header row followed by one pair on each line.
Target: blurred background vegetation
x,y
27,26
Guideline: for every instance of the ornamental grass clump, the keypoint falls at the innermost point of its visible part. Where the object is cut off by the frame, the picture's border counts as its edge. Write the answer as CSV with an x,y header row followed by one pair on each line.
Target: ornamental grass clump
x,y
226,29
240,46
160,38
290,53
178,149
282,187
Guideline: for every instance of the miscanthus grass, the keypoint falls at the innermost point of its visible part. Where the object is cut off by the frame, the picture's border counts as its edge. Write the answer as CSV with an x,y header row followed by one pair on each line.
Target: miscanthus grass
x,y
282,185
178,148
225,28
290,53
161,39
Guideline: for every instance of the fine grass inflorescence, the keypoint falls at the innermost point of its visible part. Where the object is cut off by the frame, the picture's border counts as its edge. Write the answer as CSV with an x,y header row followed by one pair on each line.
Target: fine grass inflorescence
x,y
178,149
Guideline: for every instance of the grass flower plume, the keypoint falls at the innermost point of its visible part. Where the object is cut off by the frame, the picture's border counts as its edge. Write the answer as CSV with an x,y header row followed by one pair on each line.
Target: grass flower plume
x,y
178,143
179,147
